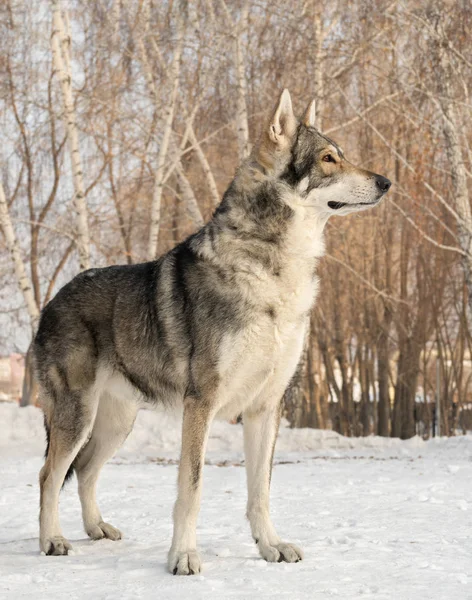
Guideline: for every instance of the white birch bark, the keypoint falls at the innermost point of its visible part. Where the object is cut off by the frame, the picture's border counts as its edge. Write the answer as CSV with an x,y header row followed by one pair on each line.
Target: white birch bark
x,y
318,59
173,149
241,106
242,123
189,130
460,189
210,179
188,196
190,135
61,62
455,155
191,204
13,247
169,110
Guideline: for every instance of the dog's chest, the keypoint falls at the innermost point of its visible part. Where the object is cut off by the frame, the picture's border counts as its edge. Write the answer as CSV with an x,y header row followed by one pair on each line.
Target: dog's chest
x,y
265,353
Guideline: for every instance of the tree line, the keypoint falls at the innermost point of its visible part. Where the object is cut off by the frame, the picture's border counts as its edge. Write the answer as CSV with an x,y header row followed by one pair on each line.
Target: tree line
x,y
122,123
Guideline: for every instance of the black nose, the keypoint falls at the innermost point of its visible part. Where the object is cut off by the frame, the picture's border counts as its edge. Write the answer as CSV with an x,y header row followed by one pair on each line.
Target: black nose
x,y
383,183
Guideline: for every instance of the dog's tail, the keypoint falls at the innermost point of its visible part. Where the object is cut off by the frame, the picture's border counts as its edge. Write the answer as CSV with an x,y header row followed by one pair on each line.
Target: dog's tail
x,y
70,470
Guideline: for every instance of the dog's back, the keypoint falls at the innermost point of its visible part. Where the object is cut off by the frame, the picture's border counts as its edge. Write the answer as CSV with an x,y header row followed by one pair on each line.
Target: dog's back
x,y
113,318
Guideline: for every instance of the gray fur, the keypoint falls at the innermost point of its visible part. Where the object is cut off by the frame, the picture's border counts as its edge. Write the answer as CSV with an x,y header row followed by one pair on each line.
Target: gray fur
x,y
216,324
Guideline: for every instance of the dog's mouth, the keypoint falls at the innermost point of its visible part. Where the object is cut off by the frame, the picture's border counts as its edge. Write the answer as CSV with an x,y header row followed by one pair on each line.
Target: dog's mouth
x,y
338,205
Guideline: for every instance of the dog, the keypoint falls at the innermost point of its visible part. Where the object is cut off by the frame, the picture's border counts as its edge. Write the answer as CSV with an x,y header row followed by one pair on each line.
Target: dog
x,y
217,324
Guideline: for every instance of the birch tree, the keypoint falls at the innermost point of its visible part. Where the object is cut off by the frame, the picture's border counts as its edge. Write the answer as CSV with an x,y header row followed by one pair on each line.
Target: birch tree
x,y
26,287
318,63
24,282
60,43
238,29
455,153
167,121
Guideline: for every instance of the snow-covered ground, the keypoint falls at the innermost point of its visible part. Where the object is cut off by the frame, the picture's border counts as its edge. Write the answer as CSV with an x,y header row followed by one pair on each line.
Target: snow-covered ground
x,y
377,518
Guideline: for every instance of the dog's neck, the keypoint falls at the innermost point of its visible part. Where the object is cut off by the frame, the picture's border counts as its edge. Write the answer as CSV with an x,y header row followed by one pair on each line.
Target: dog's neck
x,y
264,222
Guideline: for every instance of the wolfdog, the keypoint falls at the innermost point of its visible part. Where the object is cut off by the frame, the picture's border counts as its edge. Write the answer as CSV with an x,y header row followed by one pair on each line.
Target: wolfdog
x,y
217,324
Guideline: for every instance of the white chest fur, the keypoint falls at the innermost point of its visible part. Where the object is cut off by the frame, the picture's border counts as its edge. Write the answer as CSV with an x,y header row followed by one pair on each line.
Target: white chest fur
x,y
257,363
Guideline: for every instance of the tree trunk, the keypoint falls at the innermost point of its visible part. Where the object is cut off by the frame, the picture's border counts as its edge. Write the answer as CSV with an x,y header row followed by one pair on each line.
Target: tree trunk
x,y
365,396
318,64
404,422
190,201
294,397
316,414
26,288
242,123
346,409
24,282
209,177
239,59
383,381
60,56
169,111
29,391
445,87
460,191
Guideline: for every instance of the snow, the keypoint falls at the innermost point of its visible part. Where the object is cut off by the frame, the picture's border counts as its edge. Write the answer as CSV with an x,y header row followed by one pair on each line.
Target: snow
x,y
377,518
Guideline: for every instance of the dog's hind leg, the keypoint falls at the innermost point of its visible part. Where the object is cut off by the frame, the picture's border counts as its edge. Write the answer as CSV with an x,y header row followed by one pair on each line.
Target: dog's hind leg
x,y
70,422
183,556
260,432
114,421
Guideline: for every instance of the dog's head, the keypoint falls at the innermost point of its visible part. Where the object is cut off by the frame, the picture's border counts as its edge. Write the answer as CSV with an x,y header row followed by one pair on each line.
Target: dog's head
x,y
315,166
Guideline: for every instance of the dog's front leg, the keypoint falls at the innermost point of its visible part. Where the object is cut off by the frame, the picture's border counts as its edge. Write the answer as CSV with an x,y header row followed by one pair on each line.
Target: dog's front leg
x,y
260,433
183,556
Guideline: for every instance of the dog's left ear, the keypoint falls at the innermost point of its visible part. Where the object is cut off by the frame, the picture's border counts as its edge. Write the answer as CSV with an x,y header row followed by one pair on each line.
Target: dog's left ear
x,y
309,117
283,122
278,135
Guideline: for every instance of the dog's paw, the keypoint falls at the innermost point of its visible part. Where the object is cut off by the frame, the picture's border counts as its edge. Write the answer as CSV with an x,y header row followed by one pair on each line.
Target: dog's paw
x,y
56,546
184,563
104,530
281,552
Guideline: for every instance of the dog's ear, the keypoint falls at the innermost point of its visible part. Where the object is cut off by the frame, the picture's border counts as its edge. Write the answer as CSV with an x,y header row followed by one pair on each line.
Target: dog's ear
x,y
283,122
310,114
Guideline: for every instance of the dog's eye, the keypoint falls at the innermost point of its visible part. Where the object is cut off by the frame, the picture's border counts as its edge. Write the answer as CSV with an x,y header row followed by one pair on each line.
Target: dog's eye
x,y
329,158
